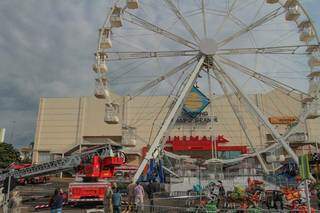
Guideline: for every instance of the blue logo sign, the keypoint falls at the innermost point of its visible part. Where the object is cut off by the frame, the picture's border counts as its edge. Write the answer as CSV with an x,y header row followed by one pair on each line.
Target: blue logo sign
x,y
195,103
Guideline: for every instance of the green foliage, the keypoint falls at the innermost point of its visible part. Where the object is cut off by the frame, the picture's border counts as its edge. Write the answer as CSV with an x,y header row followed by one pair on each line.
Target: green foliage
x,y
317,186
26,160
8,155
255,210
211,207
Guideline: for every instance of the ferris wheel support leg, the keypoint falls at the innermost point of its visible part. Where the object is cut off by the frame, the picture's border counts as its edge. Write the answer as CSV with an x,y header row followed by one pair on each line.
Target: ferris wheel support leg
x,y
171,118
240,120
256,111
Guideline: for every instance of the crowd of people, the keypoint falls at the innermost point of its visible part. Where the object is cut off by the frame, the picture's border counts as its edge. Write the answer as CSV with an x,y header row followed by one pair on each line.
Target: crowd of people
x,y
112,199
136,195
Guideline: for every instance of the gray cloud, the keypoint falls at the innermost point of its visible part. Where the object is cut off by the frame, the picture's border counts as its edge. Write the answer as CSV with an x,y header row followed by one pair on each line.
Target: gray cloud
x,y
46,49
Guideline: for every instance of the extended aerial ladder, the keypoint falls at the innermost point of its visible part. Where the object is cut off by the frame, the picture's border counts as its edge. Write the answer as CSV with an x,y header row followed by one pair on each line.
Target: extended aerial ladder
x,y
52,167
58,165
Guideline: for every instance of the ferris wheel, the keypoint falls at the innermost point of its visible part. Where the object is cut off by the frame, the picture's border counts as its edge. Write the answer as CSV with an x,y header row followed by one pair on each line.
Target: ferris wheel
x,y
230,50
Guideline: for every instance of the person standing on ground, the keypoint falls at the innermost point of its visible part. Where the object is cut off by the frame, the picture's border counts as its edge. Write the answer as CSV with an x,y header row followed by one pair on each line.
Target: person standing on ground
x,y
152,188
222,194
116,201
139,194
107,200
318,198
131,198
14,202
149,193
56,201
277,198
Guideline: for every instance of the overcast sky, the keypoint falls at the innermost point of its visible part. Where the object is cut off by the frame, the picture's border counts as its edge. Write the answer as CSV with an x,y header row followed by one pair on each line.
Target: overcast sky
x,y
46,49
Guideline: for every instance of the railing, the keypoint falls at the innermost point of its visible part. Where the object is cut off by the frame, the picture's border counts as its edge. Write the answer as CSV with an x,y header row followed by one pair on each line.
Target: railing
x,y
280,180
172,209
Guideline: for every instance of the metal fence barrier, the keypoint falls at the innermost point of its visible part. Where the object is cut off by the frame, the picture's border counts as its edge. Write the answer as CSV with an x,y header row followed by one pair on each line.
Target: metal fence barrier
x,y
172,209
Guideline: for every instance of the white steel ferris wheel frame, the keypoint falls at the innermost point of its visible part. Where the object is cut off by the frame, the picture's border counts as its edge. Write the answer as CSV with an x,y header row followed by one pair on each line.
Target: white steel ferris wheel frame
x,y
215,53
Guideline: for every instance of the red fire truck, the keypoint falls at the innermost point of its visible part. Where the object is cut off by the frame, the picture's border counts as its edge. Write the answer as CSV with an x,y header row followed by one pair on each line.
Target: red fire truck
x,y
96,174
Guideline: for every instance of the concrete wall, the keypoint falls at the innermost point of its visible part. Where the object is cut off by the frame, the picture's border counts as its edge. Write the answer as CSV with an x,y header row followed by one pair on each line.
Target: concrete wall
x,y
63,123
66,122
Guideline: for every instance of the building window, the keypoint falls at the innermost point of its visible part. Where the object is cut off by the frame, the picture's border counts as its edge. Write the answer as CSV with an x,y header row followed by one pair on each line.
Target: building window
x,y
228,154
269,137
44,156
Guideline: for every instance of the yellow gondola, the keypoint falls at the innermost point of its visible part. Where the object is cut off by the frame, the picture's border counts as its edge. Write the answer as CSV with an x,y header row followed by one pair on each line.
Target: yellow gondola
x,y
105,42
133,4
115,18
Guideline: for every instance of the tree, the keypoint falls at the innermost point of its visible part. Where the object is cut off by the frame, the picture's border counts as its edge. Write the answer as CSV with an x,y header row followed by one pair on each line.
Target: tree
x,y
8,155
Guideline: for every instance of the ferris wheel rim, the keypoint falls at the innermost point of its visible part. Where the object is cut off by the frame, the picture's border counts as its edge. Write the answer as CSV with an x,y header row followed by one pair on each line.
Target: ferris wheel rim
x,y
297,1
199,52
310,20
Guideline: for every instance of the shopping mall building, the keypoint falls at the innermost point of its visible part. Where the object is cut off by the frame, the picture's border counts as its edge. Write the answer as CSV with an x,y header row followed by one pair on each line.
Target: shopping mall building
x,y
67,125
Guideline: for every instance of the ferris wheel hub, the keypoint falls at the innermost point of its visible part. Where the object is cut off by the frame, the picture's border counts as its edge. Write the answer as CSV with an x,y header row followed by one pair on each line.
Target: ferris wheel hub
x,y
208,46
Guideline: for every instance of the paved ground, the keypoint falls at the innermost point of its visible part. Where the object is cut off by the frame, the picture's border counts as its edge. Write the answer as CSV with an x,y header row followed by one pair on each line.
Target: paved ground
x,y
38,194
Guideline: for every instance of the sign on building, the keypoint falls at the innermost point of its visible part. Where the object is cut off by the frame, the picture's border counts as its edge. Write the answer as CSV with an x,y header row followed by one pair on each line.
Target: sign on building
x,y
2,134
202,118
286,120
195,103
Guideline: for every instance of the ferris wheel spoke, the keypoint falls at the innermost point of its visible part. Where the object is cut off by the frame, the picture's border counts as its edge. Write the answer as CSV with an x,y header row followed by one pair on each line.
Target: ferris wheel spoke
x,y
240,119
151,27
226,17
119,56
216,12
163,77
237,21
204,17
268,17
290,50
183,20
284,88
252,108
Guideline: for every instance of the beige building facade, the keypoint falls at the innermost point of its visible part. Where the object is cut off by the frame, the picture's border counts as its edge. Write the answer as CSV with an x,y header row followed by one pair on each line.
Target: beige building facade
x,y
68,124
